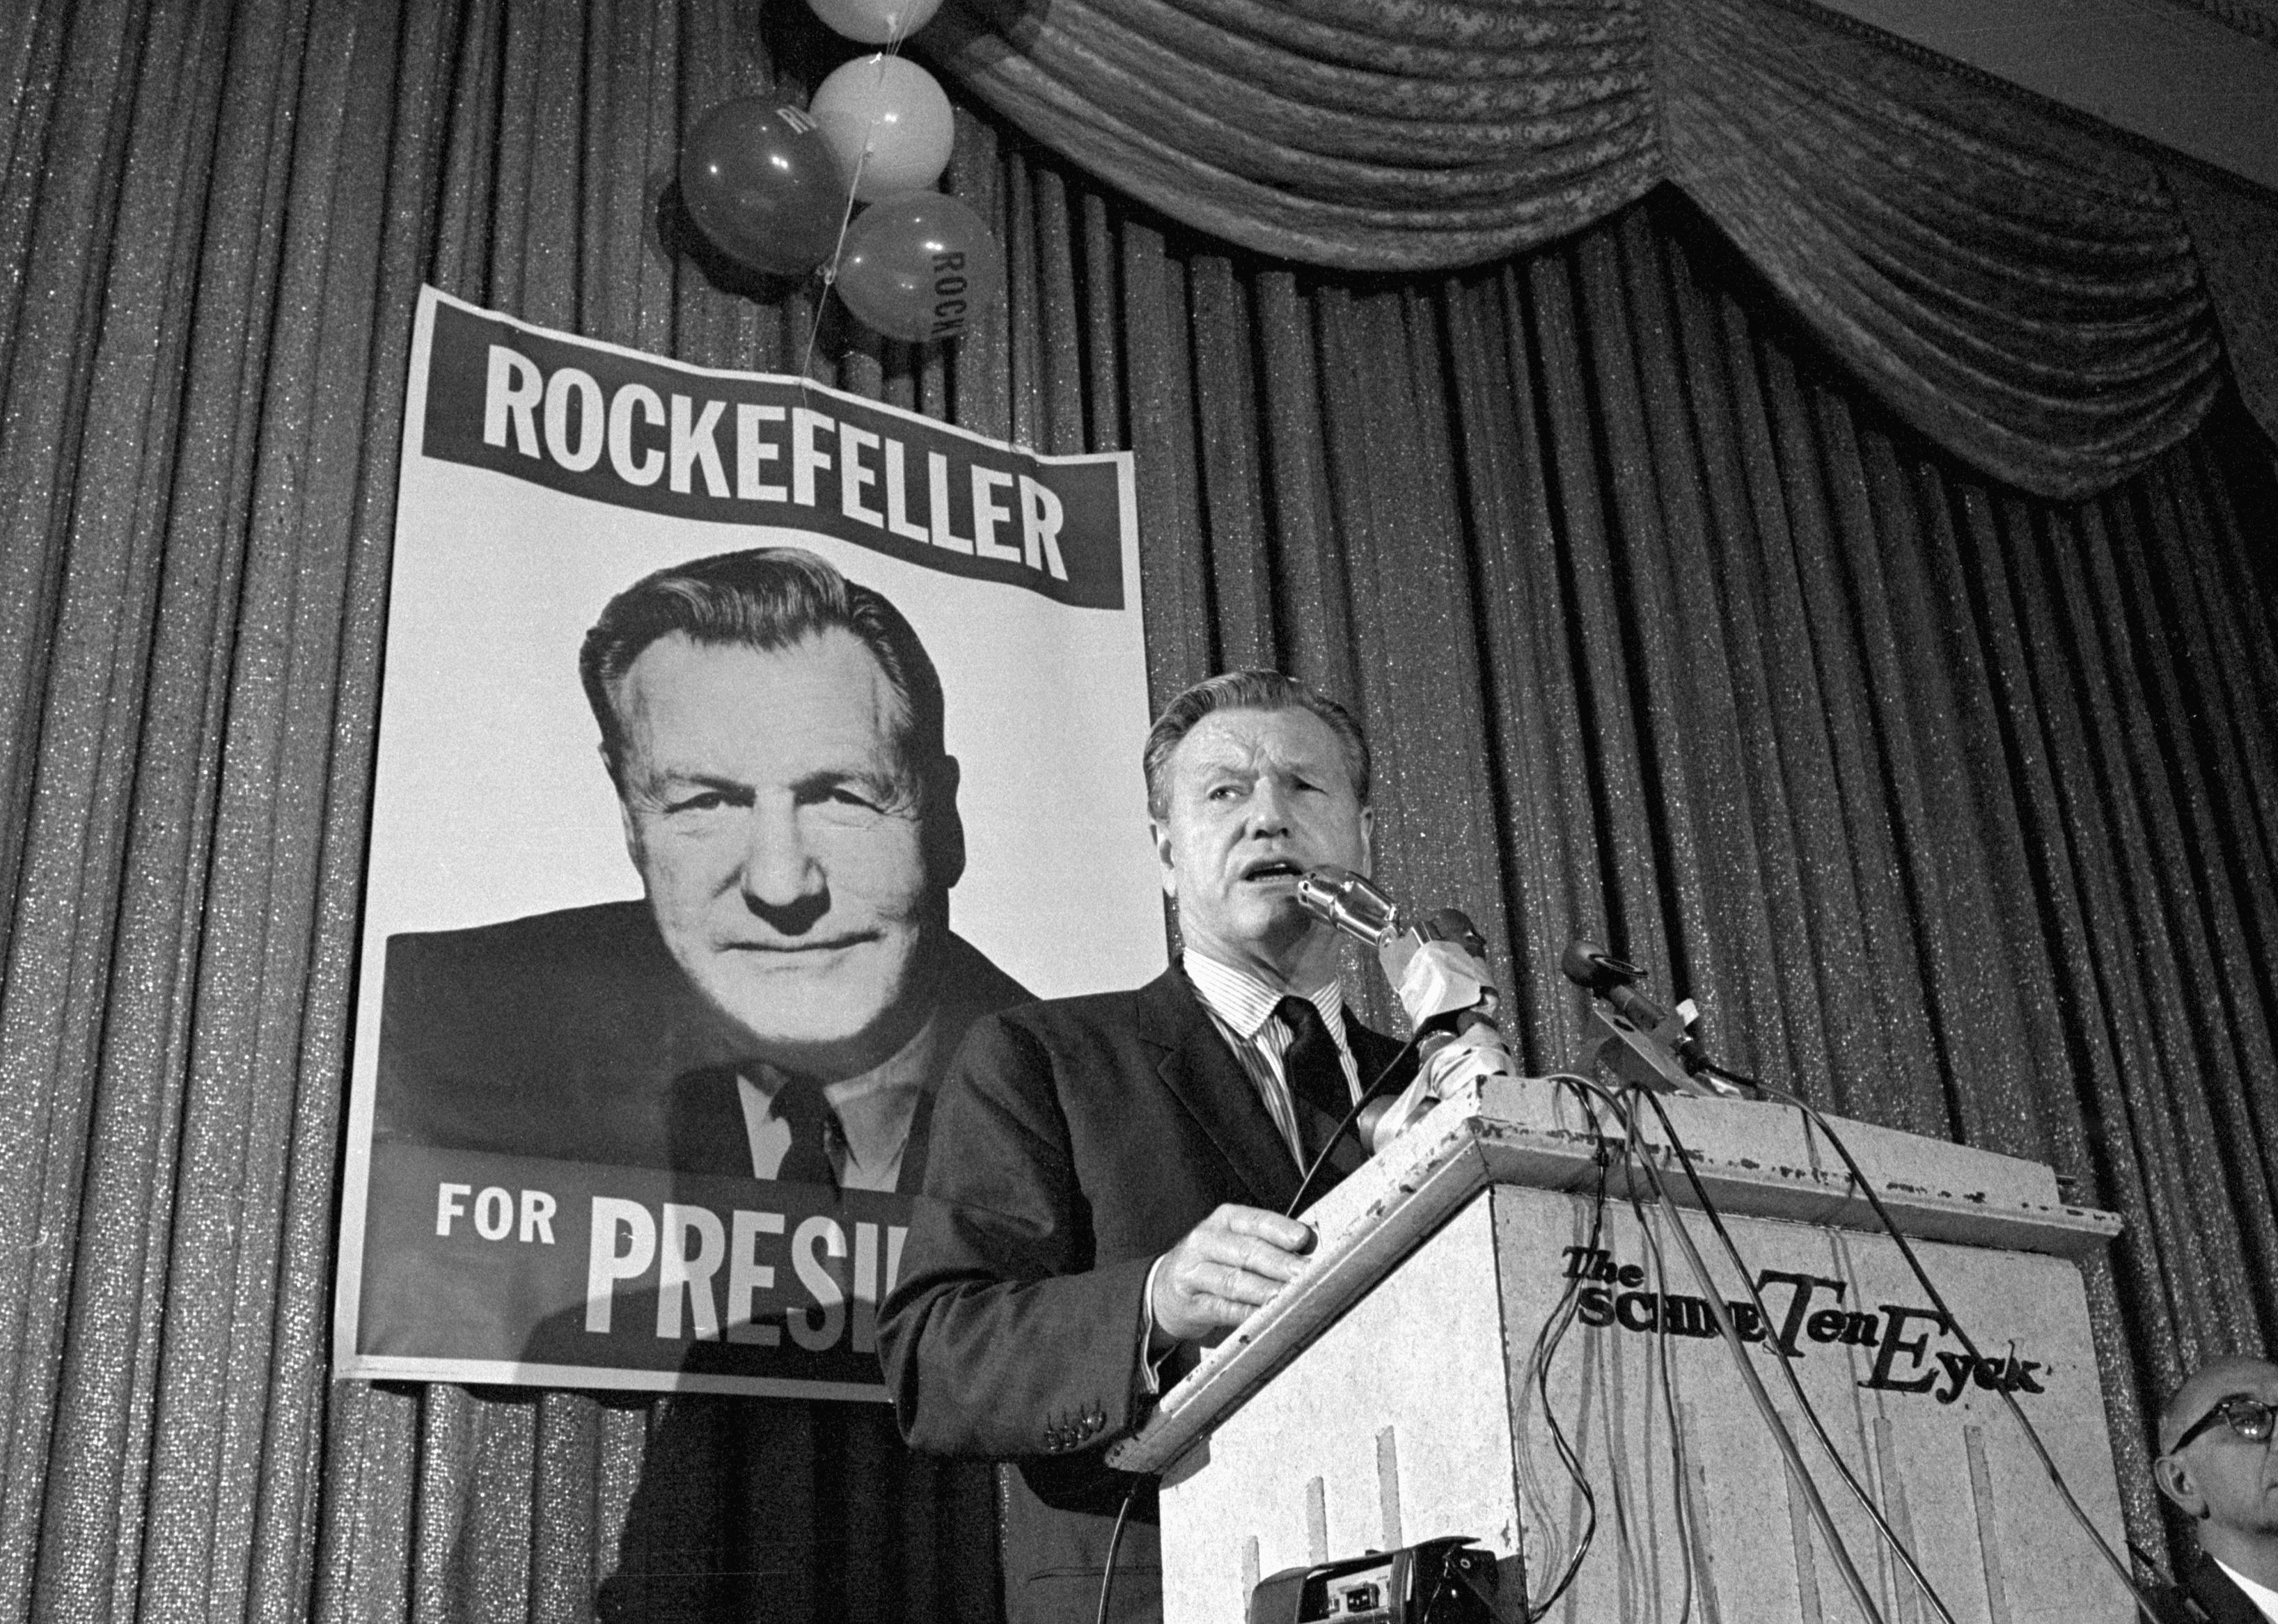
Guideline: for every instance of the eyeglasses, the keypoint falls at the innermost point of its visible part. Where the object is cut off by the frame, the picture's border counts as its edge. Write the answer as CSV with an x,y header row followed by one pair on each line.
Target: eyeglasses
x,y
2250,1418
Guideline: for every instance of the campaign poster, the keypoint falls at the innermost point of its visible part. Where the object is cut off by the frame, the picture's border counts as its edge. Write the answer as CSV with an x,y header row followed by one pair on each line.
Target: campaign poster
x,y
741,744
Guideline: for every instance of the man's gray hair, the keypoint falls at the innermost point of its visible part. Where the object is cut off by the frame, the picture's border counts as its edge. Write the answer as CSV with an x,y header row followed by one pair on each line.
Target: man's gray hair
x,y
769,598
1245,691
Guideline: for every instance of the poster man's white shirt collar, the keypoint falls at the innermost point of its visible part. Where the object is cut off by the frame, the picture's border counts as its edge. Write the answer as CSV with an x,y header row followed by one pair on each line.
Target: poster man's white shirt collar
x,y
875,1112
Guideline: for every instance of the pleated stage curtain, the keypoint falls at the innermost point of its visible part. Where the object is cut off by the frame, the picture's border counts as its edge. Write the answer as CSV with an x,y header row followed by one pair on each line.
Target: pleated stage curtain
x,y
2045,299
1955,807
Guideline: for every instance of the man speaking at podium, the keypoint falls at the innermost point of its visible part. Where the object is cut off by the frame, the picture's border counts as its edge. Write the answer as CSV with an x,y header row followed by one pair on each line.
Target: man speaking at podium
x,y
2216,1463
1104,1193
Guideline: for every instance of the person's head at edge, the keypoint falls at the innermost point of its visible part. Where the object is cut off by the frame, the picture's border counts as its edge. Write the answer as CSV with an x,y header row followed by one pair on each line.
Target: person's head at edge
x,y
2225,1482
774,731
1253,778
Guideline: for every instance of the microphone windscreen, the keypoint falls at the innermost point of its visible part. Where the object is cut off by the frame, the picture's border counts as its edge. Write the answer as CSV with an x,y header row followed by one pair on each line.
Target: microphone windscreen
x,y
1585,964
1453,924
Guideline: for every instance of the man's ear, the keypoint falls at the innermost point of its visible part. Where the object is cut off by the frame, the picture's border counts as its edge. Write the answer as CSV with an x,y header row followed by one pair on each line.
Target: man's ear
x,y
945,829
625,814
2174,1479
1159,836
1367,840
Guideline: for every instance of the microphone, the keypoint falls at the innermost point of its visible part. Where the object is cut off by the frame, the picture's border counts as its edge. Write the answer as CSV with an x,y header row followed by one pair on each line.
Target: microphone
x,y
1588,966
1349,903
1651,1047
1438,969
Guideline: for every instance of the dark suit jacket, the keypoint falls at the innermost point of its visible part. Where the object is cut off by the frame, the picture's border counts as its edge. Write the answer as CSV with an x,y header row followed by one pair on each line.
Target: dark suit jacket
x,y
1074,1143
574,1035
2223,1601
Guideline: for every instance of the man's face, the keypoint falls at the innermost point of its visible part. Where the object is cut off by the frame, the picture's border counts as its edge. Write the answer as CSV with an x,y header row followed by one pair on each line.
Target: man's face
x,y
776,829
1255,798
2229,1483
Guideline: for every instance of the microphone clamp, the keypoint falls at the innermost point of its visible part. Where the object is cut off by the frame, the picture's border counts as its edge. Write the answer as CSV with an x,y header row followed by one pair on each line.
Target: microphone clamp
x,y
1649,1046
1439,969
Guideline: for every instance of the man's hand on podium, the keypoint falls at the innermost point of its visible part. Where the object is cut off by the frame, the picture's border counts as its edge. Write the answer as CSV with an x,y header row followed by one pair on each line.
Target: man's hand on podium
x,y
1228,1264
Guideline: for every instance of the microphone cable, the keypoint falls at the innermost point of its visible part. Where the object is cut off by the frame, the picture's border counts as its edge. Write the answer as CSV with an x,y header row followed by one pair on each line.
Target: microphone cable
x,y
1938,1301
1790,1456
1708,1207
1668,1391
1548,1339
1115,1538
1699,1060
1322,1156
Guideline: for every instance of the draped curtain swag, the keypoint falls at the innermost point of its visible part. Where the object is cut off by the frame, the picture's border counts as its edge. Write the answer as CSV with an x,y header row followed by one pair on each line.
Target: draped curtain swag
x,y
1954,806
2019,288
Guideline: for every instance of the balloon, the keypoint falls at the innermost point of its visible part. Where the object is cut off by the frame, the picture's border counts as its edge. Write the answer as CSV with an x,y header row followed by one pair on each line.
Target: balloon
x,y
891,118
877,22
920,267
762,182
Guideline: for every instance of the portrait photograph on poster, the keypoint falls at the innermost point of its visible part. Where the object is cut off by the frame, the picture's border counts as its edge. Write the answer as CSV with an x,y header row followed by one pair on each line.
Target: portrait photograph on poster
x,y
741,743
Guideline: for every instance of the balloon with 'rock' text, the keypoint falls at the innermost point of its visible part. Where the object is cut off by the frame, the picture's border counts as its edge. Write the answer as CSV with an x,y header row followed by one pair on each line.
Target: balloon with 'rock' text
x,y
920,267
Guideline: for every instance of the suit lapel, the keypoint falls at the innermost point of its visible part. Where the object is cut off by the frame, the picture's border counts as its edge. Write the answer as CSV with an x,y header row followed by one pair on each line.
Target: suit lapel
x,y
705,1130
1195,1065
2224,1601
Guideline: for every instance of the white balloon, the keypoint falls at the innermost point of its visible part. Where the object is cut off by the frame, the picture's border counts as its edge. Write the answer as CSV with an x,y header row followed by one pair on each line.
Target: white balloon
x,y
889,121
875,22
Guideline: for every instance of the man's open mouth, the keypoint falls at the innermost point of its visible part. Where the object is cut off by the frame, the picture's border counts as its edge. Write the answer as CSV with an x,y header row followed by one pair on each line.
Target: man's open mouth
x,y
1273,868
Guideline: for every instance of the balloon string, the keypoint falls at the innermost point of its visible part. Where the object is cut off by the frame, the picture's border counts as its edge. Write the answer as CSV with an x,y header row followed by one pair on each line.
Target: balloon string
x,y
846,214
831,270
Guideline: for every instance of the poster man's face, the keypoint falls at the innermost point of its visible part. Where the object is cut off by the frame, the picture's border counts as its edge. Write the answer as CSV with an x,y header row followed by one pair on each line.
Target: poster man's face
x,y
1255,798
777,830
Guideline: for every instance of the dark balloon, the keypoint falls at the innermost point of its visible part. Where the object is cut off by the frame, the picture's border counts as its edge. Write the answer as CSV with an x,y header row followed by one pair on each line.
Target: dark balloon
x,y
761,181
920,267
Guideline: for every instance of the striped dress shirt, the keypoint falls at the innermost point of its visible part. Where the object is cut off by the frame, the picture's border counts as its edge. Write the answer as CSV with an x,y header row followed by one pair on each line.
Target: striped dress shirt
x,y
1241,1007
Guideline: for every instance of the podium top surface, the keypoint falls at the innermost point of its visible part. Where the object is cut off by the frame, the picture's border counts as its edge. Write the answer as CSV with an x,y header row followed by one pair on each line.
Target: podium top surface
x,y
1754,1159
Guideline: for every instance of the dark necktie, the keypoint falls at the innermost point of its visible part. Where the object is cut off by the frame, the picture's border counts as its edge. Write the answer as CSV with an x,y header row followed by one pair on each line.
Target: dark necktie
x,y
1315,1072
801,1107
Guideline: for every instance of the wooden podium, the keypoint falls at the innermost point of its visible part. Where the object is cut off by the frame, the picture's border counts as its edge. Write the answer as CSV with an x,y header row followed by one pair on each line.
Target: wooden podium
x,y
1390,1394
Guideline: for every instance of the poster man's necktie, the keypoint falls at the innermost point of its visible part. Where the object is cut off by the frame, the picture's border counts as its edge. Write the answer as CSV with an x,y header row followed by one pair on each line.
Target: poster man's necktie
x,y
801,1108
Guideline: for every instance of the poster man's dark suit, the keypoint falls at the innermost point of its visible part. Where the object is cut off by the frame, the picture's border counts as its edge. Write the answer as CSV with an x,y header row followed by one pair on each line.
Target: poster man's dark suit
x,y
1074,1143
575,1036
